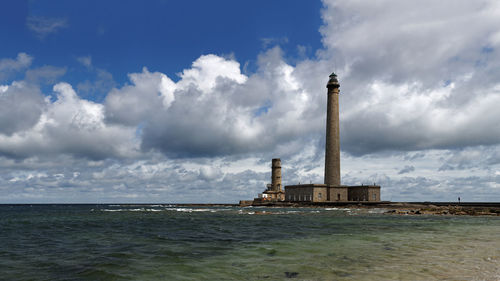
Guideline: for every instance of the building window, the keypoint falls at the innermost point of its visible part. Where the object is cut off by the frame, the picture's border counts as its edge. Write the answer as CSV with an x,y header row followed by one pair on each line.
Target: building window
x,y
320,195
374,196
338,196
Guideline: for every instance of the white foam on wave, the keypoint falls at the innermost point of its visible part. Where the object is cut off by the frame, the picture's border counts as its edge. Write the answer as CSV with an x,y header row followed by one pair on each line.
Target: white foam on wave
x,y
337,209
113,210
189,210
132,210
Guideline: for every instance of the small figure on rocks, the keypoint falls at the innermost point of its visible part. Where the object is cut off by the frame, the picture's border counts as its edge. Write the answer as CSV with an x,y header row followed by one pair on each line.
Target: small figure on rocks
x,y
458,199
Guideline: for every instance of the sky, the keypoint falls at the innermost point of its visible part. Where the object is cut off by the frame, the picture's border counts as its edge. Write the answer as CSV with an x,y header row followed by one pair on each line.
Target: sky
x,y
188,101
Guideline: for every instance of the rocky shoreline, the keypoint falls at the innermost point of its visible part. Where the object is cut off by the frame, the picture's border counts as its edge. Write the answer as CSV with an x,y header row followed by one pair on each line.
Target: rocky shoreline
x,y
456,210
399,208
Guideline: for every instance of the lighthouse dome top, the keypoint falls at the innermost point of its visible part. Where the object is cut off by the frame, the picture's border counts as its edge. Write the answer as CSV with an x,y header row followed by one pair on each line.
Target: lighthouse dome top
x,y
333,82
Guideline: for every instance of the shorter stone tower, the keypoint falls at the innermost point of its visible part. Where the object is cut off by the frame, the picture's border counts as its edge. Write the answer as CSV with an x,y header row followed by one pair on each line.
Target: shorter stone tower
x,y
273,192
276,175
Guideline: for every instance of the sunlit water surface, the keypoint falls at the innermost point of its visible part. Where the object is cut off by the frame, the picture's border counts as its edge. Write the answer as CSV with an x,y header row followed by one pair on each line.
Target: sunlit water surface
x,y
164,242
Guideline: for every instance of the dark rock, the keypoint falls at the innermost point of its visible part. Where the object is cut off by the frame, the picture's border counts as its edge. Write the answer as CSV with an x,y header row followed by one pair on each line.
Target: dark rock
x,y
291,274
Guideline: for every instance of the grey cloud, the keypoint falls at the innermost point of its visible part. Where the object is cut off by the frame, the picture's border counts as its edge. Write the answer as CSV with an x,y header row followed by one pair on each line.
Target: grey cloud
x,y
153,180
20,108
406,169
413,155
479,157
446,167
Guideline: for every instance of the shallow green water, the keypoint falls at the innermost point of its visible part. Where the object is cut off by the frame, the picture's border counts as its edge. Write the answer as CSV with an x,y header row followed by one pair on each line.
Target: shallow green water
x,y
162,242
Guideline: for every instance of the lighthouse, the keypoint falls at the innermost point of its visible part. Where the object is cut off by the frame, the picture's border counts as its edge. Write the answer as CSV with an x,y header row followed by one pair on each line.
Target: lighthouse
x,y
330,191
332,145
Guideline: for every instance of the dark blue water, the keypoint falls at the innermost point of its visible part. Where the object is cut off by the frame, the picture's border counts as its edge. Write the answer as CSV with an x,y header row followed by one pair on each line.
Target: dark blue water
x,y
163,242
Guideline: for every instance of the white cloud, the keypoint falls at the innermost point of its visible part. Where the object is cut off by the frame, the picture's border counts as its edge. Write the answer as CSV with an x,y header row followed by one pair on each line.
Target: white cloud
x,y
85,61
22,61
69,125
133,104
9,66
43,26
216,110
46,74
415,75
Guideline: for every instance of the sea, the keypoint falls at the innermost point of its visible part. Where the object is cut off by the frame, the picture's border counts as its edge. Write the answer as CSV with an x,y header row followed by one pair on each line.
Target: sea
x,y
171,242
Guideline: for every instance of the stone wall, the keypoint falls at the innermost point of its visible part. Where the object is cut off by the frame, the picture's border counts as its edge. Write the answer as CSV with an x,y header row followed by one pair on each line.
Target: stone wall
x,y
304,192
374,193
320,194
324,193
338,193
364,193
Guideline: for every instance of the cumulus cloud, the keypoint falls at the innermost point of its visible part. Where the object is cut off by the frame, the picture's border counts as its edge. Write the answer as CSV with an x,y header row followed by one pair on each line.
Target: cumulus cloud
x,y
419,90
69,125
43,26
133,104
214,109
222,112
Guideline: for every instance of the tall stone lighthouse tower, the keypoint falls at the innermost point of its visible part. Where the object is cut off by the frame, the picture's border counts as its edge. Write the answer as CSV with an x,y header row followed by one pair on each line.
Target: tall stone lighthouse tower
x,y
332,147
